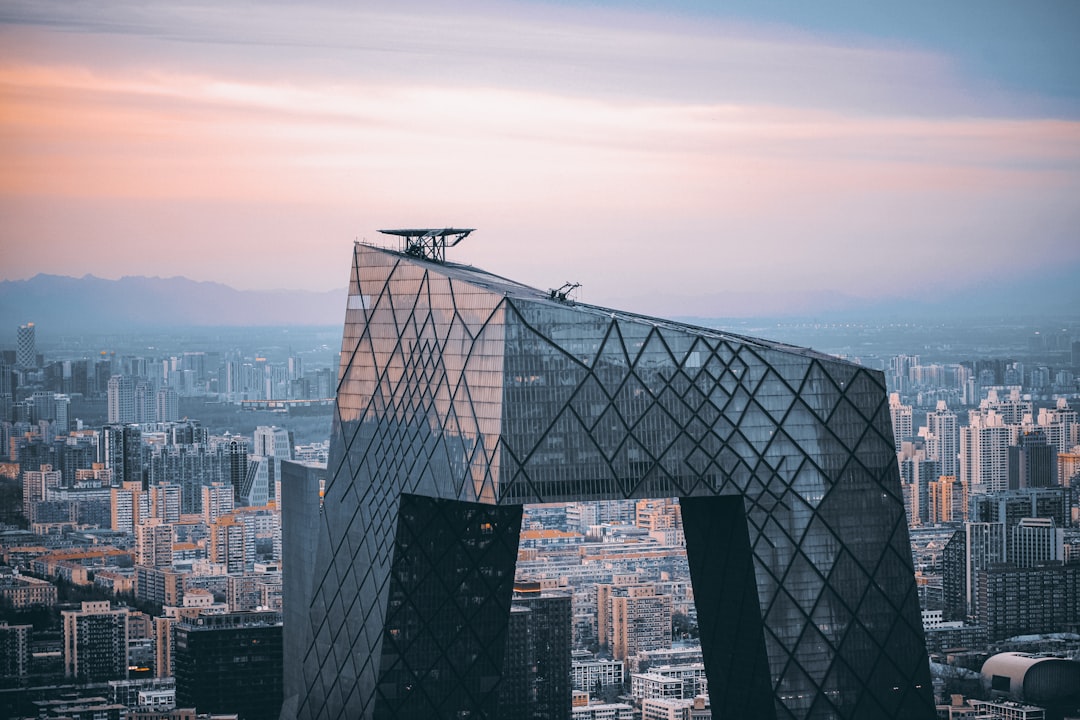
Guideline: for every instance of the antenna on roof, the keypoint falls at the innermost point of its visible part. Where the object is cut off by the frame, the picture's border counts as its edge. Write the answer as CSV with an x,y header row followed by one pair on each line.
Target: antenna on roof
x,y
562,292
429,243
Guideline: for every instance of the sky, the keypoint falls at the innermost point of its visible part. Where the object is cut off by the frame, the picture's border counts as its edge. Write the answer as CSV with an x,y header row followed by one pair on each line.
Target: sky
x,y
679,158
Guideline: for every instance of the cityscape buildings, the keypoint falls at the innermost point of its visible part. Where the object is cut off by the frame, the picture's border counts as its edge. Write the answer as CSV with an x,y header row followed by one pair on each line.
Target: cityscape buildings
x,y
144,514
463,395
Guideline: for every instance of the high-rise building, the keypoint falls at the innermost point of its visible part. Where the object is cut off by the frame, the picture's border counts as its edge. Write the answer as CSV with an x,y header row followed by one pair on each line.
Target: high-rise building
x,y
274,444
26,346
120,448
1058,424
986,546
154,544
536,668
463,396
228,544
1032,462
635,619
1036,541
901,416
943,439
36,485
130,506
948,500
145,404
14,651
1068,469
1028,600
234,461
1009,508
165,502
230,663
167,404
984,452
95,642
121,399
217,500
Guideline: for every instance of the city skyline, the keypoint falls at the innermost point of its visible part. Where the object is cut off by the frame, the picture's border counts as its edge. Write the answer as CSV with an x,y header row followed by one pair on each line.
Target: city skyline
x,y
784,150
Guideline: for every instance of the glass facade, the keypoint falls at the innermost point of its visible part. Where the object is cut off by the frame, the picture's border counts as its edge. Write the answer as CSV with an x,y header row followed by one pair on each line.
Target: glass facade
x,y
473,395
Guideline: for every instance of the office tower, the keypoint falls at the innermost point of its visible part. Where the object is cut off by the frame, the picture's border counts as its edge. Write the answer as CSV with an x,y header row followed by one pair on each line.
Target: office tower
x,y
275,444
516,684
36,485
95,642
154,544
536,666
463,395
943,439
261,476
1032,462
901,416
1036,541
26,346
121,399
984,452
229,663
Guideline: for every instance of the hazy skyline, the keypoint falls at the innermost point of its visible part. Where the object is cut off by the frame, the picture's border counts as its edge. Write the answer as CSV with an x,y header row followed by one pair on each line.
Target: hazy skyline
x,y
665,156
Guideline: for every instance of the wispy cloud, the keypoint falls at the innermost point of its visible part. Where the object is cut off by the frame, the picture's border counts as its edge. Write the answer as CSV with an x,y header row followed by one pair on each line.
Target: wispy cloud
x,y
607,141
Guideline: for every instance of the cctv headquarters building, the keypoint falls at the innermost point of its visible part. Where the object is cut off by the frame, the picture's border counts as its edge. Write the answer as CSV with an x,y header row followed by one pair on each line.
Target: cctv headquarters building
x,y
463,396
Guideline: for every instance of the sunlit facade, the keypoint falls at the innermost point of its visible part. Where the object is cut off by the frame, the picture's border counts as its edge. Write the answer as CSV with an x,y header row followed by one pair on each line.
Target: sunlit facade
x,y
463,396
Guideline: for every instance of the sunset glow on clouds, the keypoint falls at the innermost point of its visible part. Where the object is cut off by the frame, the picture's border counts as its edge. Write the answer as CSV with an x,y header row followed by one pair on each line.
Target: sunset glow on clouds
x,y
678,157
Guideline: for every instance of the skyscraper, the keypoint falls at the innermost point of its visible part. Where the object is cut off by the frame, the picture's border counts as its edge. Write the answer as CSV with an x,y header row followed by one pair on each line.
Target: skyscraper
x,y
901,416
1032,462
943,439
463,395
230,663
26,346
121,399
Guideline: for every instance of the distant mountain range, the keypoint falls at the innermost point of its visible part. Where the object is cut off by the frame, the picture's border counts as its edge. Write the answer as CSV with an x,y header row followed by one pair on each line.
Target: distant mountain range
x,y
65,305
60,304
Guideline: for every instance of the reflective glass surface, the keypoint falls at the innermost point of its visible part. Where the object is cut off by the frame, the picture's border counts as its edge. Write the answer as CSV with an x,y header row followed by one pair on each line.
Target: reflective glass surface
x,y
459,385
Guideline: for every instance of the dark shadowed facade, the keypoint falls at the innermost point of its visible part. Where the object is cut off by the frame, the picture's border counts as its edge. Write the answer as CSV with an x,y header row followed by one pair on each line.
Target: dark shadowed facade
x,y
463,395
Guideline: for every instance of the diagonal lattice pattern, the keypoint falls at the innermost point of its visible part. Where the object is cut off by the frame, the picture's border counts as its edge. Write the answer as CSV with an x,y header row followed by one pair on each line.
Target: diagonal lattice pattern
x,y
464,387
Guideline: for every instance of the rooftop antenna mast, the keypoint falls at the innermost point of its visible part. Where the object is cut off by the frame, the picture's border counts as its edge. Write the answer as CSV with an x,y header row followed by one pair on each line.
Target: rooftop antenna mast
x,y
563,292
429,243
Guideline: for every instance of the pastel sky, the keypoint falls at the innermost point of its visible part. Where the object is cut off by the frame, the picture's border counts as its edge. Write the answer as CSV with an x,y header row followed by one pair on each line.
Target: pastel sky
x,y
669,156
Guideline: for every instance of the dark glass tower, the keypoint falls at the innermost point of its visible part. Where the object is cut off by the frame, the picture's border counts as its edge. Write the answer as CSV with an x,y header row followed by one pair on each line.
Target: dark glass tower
x,y
463,395
230,663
